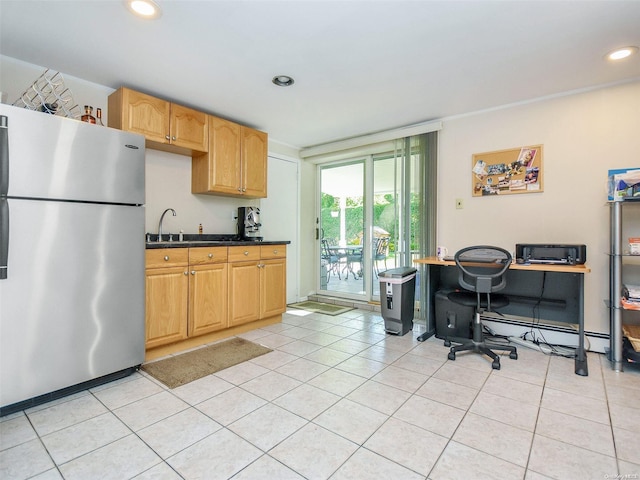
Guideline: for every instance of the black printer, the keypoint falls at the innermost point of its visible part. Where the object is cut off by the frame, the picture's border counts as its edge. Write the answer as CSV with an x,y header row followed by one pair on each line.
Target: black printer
x,y
551,254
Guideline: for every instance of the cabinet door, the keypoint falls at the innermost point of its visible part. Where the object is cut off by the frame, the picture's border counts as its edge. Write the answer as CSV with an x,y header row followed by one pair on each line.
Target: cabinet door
x,y
254,158
189,128
166,305
219,171
146,115
207,298
273,287
244,292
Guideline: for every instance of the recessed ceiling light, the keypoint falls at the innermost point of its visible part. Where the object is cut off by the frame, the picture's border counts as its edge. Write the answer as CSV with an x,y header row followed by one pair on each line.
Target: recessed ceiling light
x,y
621,53
283,80
144,8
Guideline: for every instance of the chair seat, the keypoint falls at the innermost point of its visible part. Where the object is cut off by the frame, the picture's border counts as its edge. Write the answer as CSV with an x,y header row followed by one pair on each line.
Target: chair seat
x,y
470,299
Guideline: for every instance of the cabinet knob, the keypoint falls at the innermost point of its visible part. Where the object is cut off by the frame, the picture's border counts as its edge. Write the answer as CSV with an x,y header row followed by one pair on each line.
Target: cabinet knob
x,y
210,255
193,272
246,252
275,252
186,273
166,258
167,137
244,189
239,189
173,138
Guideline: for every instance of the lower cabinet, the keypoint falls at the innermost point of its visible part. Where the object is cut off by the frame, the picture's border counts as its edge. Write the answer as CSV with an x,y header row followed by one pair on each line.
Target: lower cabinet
x,y
194,291
207,290
273,280
257,283
167,285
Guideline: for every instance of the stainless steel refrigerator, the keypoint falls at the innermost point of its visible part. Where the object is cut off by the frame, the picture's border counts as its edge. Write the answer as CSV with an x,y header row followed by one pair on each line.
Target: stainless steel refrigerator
x,y
71,256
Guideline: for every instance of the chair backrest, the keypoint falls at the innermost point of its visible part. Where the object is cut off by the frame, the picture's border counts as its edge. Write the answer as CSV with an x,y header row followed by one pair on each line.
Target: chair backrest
x,y
381,244
482,268
325,252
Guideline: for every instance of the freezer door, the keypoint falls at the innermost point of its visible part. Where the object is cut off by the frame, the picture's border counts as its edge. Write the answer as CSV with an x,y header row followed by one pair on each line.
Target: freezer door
x,y
72,307
60,158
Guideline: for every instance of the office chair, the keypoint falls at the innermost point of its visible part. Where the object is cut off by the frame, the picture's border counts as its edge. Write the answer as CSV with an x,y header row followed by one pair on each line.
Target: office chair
x,y
481,271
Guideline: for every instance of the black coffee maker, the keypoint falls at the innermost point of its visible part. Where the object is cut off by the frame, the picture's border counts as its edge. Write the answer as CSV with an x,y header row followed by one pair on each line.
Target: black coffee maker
x,y
249,223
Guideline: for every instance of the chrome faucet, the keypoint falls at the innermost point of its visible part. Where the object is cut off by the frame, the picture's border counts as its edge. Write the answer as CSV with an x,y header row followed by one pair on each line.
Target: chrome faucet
x,y
160,222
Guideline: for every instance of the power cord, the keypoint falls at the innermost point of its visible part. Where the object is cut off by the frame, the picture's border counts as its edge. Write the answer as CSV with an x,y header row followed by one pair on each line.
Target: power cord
x,y
544,346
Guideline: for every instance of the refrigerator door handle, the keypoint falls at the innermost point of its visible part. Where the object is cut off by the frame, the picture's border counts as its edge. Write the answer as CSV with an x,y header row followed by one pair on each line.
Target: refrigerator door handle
x,y
4,237
4,156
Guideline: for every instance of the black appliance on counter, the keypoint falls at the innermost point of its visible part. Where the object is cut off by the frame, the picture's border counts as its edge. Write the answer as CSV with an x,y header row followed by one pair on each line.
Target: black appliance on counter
x,y
559,254
249,223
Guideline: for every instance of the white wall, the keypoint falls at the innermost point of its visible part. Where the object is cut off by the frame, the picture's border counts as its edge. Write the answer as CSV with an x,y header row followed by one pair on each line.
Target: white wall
x,y
583,136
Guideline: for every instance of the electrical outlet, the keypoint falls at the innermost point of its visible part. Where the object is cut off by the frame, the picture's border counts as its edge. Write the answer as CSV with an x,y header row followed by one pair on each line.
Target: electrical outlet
x,y
459,204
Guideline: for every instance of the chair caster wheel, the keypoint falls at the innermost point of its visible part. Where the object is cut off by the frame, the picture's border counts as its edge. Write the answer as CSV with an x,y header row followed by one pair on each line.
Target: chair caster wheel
x,y
496,364
513,355
447,343
452,356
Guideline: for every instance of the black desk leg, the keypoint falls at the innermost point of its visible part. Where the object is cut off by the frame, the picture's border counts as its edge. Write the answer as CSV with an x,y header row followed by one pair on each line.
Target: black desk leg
x,y
427,294
426,335
581,356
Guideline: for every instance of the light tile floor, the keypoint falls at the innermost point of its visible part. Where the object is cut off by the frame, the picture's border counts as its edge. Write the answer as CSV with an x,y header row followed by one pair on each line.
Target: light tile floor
x,y
339,399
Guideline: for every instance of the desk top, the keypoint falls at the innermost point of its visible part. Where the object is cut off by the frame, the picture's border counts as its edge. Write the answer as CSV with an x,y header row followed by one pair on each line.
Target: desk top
x,y
515,266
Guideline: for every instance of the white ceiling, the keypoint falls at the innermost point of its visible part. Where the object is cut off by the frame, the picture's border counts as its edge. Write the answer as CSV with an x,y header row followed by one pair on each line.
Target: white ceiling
x,y
360,66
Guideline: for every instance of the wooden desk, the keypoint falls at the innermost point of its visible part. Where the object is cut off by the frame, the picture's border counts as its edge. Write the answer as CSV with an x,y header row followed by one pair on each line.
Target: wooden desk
x,y
564,300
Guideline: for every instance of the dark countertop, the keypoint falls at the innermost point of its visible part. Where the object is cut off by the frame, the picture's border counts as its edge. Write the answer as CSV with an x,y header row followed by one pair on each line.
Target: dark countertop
x,y
209,240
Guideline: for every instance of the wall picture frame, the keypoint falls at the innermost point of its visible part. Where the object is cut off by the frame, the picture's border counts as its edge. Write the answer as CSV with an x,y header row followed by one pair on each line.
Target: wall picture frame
x,y
508,172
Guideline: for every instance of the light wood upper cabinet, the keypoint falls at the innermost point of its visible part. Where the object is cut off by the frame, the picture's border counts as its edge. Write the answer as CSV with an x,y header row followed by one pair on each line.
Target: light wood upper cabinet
x,y
254,163
236,164
166,126
189,128
220,170
227,158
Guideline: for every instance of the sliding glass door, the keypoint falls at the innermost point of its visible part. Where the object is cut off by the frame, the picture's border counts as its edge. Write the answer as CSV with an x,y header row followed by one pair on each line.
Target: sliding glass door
x,y
384,214
342,229
396,210
376,213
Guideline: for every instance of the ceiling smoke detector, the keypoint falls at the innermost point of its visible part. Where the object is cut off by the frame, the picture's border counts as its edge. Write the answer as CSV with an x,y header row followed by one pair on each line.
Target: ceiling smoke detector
x,y
283,80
